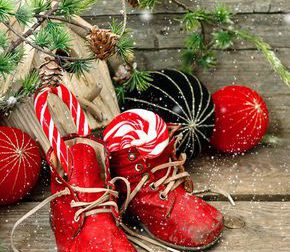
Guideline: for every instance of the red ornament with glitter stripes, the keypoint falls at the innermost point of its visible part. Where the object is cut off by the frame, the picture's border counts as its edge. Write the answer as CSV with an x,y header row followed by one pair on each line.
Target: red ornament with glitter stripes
x,y
20,163
242,119
49,128
140,128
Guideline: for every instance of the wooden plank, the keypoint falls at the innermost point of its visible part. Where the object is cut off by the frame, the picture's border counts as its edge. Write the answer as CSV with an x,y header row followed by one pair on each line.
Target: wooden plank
x,y
262,173
164,30
164,6
267,227
245,67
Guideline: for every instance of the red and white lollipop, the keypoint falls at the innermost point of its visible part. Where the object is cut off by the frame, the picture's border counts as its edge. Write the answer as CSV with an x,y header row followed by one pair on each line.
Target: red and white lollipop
x,y
140,128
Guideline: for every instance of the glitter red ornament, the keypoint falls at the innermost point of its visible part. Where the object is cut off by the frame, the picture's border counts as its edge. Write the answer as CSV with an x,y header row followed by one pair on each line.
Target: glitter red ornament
x,y
242,119
20,164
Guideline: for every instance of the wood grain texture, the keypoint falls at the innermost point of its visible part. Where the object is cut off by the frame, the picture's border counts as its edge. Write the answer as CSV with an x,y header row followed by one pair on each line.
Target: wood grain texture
x,y
260,174
164,31
166,6
262,231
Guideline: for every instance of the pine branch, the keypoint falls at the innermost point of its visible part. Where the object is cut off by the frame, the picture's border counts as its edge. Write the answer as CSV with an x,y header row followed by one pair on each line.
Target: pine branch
x,y
9,61
120,93
69,8
201,53
29,32
139,80
78,67
125,45
65,20
30,83
39,6
6,8
267,51
23,14
147,3
48,52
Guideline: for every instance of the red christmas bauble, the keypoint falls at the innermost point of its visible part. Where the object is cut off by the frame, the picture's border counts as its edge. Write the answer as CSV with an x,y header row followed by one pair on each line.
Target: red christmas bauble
x,y
20,163
242,119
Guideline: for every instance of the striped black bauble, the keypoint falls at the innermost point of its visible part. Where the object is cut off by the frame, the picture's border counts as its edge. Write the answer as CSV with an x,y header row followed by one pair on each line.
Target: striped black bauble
x,y
179,98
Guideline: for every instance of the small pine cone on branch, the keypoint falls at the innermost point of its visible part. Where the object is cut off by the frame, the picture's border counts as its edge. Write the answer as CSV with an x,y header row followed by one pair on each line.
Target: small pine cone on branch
x,y
133,3
102,42
50,72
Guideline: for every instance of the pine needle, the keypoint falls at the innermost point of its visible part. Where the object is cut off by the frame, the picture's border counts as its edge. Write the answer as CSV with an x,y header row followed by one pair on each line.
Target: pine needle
x,y
148,3
139,80
3,40
30,82
77,67
39,6
6,7
267,51
23,14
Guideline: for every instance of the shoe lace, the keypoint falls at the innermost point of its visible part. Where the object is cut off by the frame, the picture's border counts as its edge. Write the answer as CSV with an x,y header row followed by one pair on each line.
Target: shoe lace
x,y
87,208
174,176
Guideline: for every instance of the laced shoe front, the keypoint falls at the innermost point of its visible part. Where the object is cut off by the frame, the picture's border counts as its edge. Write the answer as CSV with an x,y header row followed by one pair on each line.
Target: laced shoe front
x,y
163,201
84,212
83,206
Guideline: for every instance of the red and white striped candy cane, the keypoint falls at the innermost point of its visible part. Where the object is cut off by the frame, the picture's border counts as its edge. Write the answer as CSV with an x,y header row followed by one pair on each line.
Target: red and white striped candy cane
x,y
49,128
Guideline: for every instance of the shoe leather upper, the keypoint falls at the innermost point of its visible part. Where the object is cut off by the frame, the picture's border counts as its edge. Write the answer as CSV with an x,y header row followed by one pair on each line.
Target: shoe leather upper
x,y
92,233
182,219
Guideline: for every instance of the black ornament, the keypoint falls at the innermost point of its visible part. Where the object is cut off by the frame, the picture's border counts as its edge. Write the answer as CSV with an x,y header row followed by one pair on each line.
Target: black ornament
x,y
179,98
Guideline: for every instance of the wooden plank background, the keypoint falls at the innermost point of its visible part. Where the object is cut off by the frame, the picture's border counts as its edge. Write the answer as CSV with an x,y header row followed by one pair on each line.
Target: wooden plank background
x,y
160,41
259,180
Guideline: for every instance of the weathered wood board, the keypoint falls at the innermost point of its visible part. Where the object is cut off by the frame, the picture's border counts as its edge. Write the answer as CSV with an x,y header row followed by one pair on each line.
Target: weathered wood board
x,y
160,40
261,231
259,180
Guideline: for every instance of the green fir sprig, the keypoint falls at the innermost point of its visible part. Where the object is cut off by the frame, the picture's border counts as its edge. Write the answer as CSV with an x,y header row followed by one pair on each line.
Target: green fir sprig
x,y
139,80
39,6
30,83
148,3
69,8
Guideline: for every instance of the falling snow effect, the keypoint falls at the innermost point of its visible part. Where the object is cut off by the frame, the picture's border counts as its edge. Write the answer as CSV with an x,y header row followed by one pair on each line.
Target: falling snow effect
x,y
179,98
19,164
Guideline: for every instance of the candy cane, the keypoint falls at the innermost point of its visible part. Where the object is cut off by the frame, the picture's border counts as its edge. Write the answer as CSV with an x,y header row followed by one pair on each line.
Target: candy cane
x,y
49,128
140,128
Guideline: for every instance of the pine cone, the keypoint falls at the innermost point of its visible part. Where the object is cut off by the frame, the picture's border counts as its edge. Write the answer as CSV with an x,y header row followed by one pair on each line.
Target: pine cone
x,y
103,42
133,3
50,72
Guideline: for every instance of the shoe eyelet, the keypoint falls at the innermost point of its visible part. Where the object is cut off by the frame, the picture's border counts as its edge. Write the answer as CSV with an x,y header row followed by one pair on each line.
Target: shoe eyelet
x,y
58,181
162,197
132,156
153,187
139,167
76,218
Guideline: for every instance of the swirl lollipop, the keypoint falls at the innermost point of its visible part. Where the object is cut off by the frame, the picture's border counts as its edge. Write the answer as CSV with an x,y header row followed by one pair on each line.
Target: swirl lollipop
x,y
140,128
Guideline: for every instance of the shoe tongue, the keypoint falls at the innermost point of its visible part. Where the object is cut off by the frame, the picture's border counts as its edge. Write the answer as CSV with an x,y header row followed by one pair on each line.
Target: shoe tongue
x,y
86,171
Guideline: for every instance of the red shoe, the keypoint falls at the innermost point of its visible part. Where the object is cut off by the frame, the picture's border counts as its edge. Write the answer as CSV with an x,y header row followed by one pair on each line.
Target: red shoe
x,y
162,200
85,219
83,208
84,211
